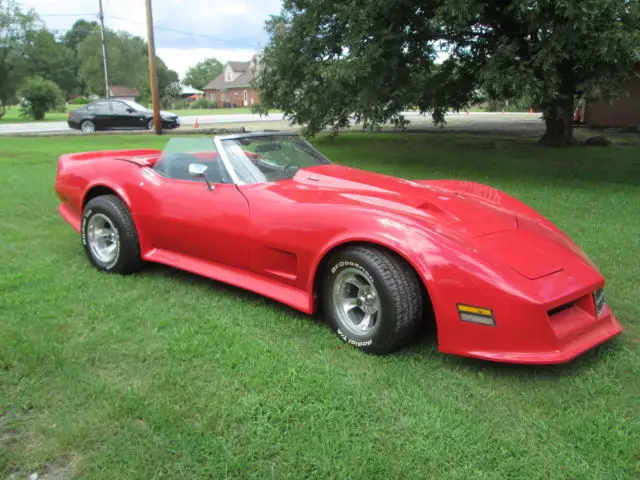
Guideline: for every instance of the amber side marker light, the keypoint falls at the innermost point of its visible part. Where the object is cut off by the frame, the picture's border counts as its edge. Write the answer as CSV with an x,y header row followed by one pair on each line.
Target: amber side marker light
x,y
481,315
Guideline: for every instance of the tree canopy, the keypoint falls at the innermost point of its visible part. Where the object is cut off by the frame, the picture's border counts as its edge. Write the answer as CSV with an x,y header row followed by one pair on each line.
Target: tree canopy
x,y
16,30
127,62
327,61
201,74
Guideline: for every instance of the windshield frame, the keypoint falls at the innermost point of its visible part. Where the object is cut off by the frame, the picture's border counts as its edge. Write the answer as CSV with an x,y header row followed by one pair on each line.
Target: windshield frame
x,y
222,152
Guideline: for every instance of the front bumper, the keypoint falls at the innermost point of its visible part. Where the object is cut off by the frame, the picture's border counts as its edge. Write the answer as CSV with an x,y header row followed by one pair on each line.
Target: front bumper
x,y
170,122
582,335
527,331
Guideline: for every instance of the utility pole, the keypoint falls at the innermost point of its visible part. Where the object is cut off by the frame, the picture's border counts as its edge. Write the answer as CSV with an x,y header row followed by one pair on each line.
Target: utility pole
x,y
157,122
104,52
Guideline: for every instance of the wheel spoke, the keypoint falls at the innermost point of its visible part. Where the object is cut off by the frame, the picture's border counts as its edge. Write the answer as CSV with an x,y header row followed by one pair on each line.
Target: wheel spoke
x,y
349,304
367,322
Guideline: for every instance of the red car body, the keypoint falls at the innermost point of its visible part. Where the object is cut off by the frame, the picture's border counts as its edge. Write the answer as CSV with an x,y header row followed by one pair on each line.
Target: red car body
x,y
470,244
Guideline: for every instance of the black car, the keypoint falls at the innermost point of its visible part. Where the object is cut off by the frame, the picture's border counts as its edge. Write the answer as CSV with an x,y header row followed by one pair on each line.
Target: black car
x,y
121,114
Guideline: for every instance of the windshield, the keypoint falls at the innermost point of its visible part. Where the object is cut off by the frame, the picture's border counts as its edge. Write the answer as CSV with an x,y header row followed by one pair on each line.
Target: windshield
x,y
268,158
180,153
135,106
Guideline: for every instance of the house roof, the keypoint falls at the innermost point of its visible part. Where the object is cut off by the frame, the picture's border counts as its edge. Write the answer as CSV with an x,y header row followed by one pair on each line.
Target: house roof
x,y
239,66
242,81
122,91
189,90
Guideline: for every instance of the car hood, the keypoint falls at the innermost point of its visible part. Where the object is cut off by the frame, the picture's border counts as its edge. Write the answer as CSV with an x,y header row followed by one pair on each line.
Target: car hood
x,y
478,222
439,207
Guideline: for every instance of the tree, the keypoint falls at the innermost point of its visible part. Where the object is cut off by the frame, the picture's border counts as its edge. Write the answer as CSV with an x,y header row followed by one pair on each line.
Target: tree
x,y
328,60
201,74
40,96
126,61
15,29
52,60
80,30
165,75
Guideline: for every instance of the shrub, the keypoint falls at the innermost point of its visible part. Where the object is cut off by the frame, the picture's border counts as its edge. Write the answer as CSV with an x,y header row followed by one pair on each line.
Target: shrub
x,y
202,103
79,101
39,97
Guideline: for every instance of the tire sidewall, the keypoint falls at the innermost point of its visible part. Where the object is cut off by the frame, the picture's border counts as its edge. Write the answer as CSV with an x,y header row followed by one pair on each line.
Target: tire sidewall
x,y
372,342
93,208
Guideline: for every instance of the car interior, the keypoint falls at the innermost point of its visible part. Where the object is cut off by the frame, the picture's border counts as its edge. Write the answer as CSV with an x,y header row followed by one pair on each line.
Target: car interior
x,y
176,166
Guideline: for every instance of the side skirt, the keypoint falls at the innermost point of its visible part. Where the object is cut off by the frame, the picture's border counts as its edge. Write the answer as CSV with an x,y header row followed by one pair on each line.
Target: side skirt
x,y
291,296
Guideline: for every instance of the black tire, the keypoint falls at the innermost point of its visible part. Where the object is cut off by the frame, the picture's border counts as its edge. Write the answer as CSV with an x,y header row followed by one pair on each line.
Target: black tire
x,y
150,125
396,284
88,127
127,258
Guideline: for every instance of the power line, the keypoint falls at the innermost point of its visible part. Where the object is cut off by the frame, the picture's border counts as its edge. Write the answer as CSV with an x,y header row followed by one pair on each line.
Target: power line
x,y
168,29
66,14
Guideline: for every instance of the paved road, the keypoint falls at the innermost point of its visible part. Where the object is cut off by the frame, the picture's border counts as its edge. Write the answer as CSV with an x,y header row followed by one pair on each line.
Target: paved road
x,y
208,120
475,119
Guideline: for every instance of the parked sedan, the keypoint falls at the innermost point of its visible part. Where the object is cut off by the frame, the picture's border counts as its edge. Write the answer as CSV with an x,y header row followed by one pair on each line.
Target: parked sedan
x,y
117,114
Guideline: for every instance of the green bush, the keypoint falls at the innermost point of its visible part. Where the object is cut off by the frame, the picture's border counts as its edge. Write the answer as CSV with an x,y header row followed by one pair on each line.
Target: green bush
x,y
79,101
39,97
202,103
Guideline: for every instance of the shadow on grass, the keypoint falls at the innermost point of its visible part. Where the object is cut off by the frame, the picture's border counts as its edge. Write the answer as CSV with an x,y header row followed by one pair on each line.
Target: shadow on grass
x,y
425,348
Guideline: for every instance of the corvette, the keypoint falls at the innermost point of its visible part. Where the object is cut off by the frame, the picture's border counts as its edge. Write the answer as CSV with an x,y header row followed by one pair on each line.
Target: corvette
x,y
380,256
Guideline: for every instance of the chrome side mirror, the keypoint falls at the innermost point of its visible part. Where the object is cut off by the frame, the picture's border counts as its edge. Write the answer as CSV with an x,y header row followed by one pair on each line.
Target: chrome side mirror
x,y
199,170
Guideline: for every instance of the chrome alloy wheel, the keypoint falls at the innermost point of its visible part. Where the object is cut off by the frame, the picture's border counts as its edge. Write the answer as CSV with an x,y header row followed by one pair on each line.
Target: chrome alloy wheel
x,y
356,302
88,127
102,237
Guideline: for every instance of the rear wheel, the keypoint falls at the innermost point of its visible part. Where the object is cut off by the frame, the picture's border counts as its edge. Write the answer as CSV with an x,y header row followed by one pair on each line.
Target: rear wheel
x,y
150,125
87,126
372,299
109,236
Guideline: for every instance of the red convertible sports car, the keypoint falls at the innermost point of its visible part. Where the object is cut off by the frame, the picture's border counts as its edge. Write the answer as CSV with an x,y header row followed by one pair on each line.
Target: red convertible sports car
x,y
380,256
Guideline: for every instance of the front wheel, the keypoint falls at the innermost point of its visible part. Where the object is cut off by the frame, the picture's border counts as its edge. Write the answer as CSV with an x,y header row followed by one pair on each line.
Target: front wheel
x,y
372,299
109,236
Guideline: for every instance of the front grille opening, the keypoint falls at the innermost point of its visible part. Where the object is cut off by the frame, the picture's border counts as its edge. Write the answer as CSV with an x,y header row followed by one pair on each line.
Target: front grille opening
x,y
561,308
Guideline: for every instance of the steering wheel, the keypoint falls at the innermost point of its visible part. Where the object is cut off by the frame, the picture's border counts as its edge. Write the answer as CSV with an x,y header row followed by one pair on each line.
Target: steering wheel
x,y
291,165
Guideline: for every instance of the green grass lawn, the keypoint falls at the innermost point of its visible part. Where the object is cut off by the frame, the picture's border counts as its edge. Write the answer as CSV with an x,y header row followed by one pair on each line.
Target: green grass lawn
x,y
165,374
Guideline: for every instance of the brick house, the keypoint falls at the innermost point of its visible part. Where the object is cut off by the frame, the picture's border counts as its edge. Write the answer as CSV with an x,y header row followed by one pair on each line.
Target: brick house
x,y
624,112
233,86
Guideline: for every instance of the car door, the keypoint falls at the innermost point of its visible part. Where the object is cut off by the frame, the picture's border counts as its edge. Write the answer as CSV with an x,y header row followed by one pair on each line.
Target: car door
x,y
184,216
123,117
103,115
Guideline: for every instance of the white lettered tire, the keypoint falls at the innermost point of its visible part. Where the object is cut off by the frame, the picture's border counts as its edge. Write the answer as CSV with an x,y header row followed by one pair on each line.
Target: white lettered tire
x,y
372,298
109,236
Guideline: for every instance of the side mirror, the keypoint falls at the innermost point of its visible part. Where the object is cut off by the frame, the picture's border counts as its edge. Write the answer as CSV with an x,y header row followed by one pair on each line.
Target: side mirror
x,y
130,110
198,170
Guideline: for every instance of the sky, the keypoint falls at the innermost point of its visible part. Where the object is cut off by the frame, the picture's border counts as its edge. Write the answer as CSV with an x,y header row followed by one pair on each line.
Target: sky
x,y
186,31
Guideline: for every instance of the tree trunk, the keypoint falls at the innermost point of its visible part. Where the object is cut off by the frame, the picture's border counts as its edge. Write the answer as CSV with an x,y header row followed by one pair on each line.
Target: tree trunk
x,y
558,119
